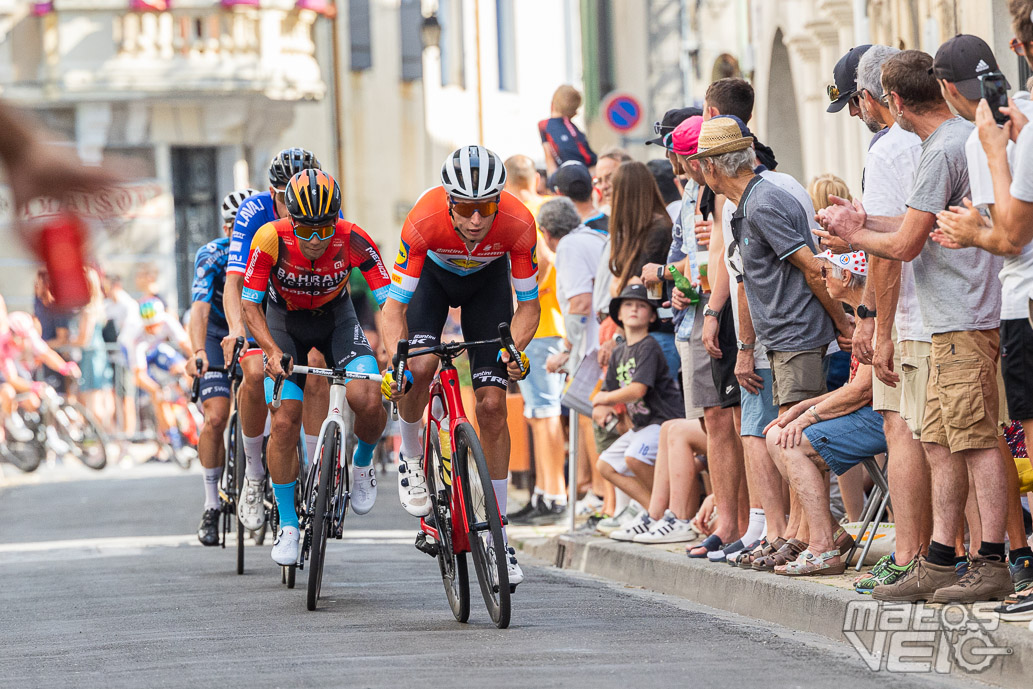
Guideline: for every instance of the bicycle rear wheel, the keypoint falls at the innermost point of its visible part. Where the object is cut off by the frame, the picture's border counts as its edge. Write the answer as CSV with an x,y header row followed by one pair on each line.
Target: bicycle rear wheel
x,y
484,524
320,520
235,465
454,574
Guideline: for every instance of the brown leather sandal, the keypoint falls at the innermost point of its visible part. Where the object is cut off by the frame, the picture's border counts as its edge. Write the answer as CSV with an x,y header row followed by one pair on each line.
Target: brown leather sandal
x,y
789,551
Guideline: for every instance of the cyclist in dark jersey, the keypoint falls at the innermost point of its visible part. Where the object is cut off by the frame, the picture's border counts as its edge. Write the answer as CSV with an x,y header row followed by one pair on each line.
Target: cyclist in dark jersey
x,y
304,262
207,329
254,213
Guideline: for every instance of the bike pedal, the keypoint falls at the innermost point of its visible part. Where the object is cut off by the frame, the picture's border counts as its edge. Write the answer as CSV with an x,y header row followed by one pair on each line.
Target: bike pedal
x,y
425,546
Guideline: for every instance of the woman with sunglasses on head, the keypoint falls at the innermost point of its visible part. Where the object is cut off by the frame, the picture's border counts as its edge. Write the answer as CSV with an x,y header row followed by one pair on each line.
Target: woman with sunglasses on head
x,y
305,259
478,238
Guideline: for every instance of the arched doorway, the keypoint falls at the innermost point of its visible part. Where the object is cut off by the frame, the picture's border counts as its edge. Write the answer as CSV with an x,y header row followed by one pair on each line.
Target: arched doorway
x,y
783,125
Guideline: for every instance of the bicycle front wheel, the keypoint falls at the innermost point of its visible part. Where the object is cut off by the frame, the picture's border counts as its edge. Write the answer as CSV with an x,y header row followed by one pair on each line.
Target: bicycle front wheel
x,y
89,443
454,574
235,465
487,546
321,519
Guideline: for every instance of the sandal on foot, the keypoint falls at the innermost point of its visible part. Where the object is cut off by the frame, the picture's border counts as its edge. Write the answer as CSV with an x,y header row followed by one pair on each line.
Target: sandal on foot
x,y
781,557
709,544
810,565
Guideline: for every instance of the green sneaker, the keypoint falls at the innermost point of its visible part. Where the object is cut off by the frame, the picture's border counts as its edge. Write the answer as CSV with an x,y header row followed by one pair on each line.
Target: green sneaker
x,y
885,572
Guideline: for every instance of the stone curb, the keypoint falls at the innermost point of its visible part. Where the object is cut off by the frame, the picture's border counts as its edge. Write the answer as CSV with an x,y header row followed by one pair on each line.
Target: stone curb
x,y
807,606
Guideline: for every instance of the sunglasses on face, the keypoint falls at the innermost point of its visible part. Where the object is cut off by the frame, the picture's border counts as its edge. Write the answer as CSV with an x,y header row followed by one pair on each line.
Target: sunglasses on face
x,y
468,208
307,234
599,181
1017,46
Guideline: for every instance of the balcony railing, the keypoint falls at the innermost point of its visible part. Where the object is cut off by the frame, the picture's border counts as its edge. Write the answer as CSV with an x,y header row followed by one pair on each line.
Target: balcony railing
x,y
102,48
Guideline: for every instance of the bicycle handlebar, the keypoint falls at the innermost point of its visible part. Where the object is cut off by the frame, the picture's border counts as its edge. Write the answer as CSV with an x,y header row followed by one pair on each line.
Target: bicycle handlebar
x,y
230,369
336,373
285,363
451,349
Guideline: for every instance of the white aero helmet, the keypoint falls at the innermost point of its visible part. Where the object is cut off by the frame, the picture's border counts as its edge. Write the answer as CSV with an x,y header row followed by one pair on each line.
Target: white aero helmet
x,y
474,173
231,204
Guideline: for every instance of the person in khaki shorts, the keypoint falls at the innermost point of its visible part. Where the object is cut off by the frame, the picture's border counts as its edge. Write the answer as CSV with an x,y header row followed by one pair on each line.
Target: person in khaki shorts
x,y
960,299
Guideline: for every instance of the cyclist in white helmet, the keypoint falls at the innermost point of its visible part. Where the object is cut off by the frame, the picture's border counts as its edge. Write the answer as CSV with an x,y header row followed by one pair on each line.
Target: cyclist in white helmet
x,y
207,329
462,245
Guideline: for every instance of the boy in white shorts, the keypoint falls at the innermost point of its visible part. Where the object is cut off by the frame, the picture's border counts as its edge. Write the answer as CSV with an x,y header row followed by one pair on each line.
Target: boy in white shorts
x,y
639,379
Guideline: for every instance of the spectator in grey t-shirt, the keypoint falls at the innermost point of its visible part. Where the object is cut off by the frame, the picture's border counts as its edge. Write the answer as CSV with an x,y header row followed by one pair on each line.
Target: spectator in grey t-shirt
x,y
960,298
792,313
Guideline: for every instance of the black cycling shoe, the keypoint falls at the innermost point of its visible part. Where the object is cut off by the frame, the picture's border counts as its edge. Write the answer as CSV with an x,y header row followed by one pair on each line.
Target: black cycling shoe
x,y
208,531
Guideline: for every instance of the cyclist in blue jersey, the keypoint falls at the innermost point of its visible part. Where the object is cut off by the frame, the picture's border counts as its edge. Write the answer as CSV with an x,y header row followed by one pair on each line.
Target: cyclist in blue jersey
x,y
255,212
208,327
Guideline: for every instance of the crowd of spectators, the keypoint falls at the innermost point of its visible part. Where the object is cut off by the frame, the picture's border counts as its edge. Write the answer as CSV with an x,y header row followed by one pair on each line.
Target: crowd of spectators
x,y
823,339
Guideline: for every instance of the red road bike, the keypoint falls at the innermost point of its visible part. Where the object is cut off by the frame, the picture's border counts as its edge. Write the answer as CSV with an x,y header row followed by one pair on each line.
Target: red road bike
x,y
464,514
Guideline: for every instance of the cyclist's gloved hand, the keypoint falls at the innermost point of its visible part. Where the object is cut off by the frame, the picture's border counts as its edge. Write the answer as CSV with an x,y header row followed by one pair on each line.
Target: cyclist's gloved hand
x,y
387,384
525,363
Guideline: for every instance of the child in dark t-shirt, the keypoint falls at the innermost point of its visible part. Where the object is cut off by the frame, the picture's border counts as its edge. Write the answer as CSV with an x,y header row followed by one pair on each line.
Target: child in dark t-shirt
x,y
561,138
639,378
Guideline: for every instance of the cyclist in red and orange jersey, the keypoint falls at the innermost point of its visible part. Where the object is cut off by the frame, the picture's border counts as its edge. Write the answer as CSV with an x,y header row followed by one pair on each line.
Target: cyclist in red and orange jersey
x,y
462,245
306,259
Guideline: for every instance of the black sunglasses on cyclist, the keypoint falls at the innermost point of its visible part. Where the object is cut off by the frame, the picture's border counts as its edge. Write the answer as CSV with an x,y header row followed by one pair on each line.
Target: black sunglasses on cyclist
x,y
307,234
468,208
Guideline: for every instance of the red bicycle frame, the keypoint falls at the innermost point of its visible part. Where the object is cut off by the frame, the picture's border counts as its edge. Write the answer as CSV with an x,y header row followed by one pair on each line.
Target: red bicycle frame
x,y
445,387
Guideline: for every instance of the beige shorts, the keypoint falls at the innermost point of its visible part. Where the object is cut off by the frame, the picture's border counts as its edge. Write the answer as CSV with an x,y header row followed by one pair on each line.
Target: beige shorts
x,y
914,379
885,398
685,352
962,401
797,376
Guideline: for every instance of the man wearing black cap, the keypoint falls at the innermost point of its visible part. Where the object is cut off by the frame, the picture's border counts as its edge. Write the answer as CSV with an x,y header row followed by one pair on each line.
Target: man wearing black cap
x,y
959,66
844,91
671,119
574,181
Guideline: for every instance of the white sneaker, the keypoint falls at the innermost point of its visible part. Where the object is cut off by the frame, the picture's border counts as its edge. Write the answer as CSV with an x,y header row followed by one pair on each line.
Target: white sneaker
x,y
516,575
412,486
18,430
251,505
364,489
285,547
668,529
618,521
588,505
639,526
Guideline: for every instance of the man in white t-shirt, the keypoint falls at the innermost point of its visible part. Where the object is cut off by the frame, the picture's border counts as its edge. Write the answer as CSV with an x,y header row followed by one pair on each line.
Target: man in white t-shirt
x,y
958,72
901,372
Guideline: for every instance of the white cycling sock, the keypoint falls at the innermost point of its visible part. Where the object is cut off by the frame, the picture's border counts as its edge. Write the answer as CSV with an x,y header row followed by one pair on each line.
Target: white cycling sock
x,y
560,500
211,487
501,487
310,445
756,528
412,440
253,454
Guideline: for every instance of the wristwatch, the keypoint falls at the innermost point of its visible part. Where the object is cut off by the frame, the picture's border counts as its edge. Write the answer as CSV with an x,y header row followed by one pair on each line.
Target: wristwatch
x,y
864,312
661,273
744,347
710,312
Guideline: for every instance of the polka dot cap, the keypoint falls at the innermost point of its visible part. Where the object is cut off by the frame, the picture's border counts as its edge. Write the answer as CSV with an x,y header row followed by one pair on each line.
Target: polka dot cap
x,y
856,262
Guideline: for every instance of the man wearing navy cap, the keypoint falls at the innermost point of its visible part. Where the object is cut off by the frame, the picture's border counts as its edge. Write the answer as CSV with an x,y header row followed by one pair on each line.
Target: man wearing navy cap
x,y
844,91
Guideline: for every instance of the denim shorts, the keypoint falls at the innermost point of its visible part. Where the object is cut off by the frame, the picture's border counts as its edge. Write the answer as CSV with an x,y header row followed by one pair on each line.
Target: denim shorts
x,y
541,390
757,410
846,441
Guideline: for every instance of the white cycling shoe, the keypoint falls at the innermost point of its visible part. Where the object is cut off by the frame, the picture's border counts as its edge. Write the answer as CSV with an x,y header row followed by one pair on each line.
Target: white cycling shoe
x,y
251,505
412,486
516,575
364,489
285,548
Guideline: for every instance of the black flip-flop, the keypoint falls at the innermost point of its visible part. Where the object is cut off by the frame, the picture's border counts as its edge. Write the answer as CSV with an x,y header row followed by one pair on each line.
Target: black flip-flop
x,y
709,544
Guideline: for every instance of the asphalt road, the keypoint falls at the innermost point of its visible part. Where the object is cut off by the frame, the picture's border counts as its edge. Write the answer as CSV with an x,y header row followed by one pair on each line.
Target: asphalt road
x,y
104,585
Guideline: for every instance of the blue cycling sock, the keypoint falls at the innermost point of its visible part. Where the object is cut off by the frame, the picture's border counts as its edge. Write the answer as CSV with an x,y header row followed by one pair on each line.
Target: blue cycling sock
x,y
363,456
175,439
284,493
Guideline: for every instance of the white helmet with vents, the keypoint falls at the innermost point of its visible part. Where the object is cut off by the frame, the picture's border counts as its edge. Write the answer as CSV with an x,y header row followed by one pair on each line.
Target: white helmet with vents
x,y
231,204
474,173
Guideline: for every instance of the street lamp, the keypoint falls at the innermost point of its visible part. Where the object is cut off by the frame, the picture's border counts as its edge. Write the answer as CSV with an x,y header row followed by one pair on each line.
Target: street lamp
x,y
430,31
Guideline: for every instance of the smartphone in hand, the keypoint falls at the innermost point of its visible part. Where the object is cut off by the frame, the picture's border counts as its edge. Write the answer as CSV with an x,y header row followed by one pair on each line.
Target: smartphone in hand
x,y
995,91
